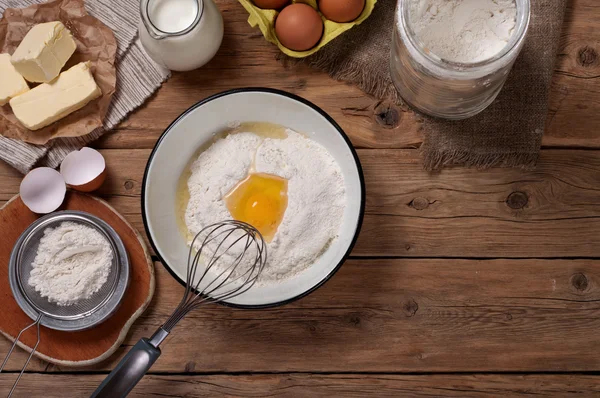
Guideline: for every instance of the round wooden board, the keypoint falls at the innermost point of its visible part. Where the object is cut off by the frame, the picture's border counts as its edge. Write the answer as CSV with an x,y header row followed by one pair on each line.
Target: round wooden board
x,y
89,346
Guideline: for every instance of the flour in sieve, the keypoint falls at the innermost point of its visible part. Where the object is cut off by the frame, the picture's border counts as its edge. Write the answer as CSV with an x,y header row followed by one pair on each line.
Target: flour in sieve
x,y
316,194
72,263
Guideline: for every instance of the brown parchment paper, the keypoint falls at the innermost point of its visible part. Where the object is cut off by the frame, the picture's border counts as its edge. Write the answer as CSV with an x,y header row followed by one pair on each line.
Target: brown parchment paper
x,y
95,43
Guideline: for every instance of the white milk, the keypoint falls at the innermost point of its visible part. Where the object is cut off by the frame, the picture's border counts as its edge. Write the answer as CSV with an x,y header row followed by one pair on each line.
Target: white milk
x,y
161,31
172,16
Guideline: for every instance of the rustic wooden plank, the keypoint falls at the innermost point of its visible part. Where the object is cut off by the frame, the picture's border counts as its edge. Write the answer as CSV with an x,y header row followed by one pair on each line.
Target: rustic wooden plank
x,y
575,100
313,385
552,211
369,123
403,315
358,114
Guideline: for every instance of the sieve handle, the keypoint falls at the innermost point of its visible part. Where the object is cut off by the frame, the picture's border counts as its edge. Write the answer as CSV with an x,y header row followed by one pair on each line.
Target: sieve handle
x,y
129,371
36,323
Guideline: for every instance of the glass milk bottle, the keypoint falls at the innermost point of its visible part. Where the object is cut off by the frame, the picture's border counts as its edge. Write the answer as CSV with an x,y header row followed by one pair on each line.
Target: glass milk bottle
x,y
180,35
446,89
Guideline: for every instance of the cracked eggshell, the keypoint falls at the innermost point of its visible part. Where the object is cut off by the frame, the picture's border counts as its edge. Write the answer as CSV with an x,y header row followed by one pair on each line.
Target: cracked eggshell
x,y
84,170
43,190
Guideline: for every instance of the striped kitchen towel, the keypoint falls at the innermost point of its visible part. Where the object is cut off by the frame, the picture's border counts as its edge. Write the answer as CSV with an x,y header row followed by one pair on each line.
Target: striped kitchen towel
x,y
138,77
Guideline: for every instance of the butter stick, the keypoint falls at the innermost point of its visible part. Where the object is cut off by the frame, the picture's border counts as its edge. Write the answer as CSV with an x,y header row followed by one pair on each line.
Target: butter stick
x,y
11,82
49,102
43,52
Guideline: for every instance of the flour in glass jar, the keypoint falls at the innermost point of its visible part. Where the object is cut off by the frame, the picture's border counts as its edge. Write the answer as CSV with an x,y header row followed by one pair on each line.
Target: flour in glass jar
x,y
316,194
466,31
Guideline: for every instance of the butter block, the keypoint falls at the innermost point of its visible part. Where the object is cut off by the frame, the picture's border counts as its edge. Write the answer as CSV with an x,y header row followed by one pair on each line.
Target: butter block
x,y
11,82
43,52
49,102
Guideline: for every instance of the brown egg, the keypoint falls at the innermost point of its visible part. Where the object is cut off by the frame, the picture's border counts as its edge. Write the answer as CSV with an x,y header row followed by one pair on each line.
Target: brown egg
x,y
299,27
341,10
270,4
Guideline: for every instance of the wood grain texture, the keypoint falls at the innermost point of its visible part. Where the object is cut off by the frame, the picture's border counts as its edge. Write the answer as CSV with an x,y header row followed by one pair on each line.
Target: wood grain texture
x,y
471,213
83,347
306,385
396,315
574,112
573,116
454,213
410,315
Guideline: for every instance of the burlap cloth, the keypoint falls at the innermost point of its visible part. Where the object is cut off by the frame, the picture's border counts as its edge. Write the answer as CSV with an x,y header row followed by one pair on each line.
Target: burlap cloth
x,y
508,133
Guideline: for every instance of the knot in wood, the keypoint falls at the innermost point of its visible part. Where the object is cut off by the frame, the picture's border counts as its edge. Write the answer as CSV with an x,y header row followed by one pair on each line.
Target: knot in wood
x,y
419,203
587,57
517,200
190,366
410,308
579,281
387,115
128,185
301,84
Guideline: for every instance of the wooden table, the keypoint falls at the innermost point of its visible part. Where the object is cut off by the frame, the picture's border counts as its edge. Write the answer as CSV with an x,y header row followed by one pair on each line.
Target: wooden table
x,y
462,283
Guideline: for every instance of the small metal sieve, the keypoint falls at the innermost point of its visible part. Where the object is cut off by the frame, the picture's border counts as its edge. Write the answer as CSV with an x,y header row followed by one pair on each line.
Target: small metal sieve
x,y
82,315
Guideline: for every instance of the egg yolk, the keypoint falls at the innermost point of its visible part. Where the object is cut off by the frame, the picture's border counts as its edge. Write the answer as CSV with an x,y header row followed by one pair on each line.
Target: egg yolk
x,y
259,200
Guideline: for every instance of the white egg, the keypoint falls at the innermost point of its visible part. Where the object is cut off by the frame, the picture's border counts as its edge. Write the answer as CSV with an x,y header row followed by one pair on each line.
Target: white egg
x,y
84,169
43,190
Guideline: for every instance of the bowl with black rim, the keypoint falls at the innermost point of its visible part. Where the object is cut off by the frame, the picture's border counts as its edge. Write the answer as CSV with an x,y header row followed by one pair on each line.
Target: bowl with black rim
x,y
196,127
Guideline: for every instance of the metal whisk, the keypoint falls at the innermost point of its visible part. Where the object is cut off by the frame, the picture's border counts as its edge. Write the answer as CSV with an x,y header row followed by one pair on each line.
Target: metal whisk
x,y
224,261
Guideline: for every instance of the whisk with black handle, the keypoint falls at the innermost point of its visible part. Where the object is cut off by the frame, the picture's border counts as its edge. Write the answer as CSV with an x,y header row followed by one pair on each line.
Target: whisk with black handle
x,y
232,255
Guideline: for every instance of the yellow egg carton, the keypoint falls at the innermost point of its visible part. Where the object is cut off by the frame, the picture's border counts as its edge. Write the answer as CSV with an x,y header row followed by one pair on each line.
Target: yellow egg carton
x,y
265,19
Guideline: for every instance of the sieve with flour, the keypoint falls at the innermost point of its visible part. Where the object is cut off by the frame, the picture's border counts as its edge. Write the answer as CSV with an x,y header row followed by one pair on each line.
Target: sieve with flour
x,y
80,316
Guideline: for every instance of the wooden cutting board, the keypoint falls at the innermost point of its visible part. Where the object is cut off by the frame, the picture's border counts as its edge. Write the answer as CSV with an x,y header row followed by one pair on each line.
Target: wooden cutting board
x,y
89,346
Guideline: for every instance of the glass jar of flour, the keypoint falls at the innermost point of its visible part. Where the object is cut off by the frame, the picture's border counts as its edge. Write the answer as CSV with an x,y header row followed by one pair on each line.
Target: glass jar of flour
x,y
180,35
450,58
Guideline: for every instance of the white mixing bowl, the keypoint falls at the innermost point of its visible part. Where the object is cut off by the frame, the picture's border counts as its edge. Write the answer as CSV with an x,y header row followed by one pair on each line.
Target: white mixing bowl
x,y
195,127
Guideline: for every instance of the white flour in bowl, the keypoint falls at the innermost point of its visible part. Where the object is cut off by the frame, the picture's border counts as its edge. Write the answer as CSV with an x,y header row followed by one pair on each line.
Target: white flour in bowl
x,y
316,194
72,263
